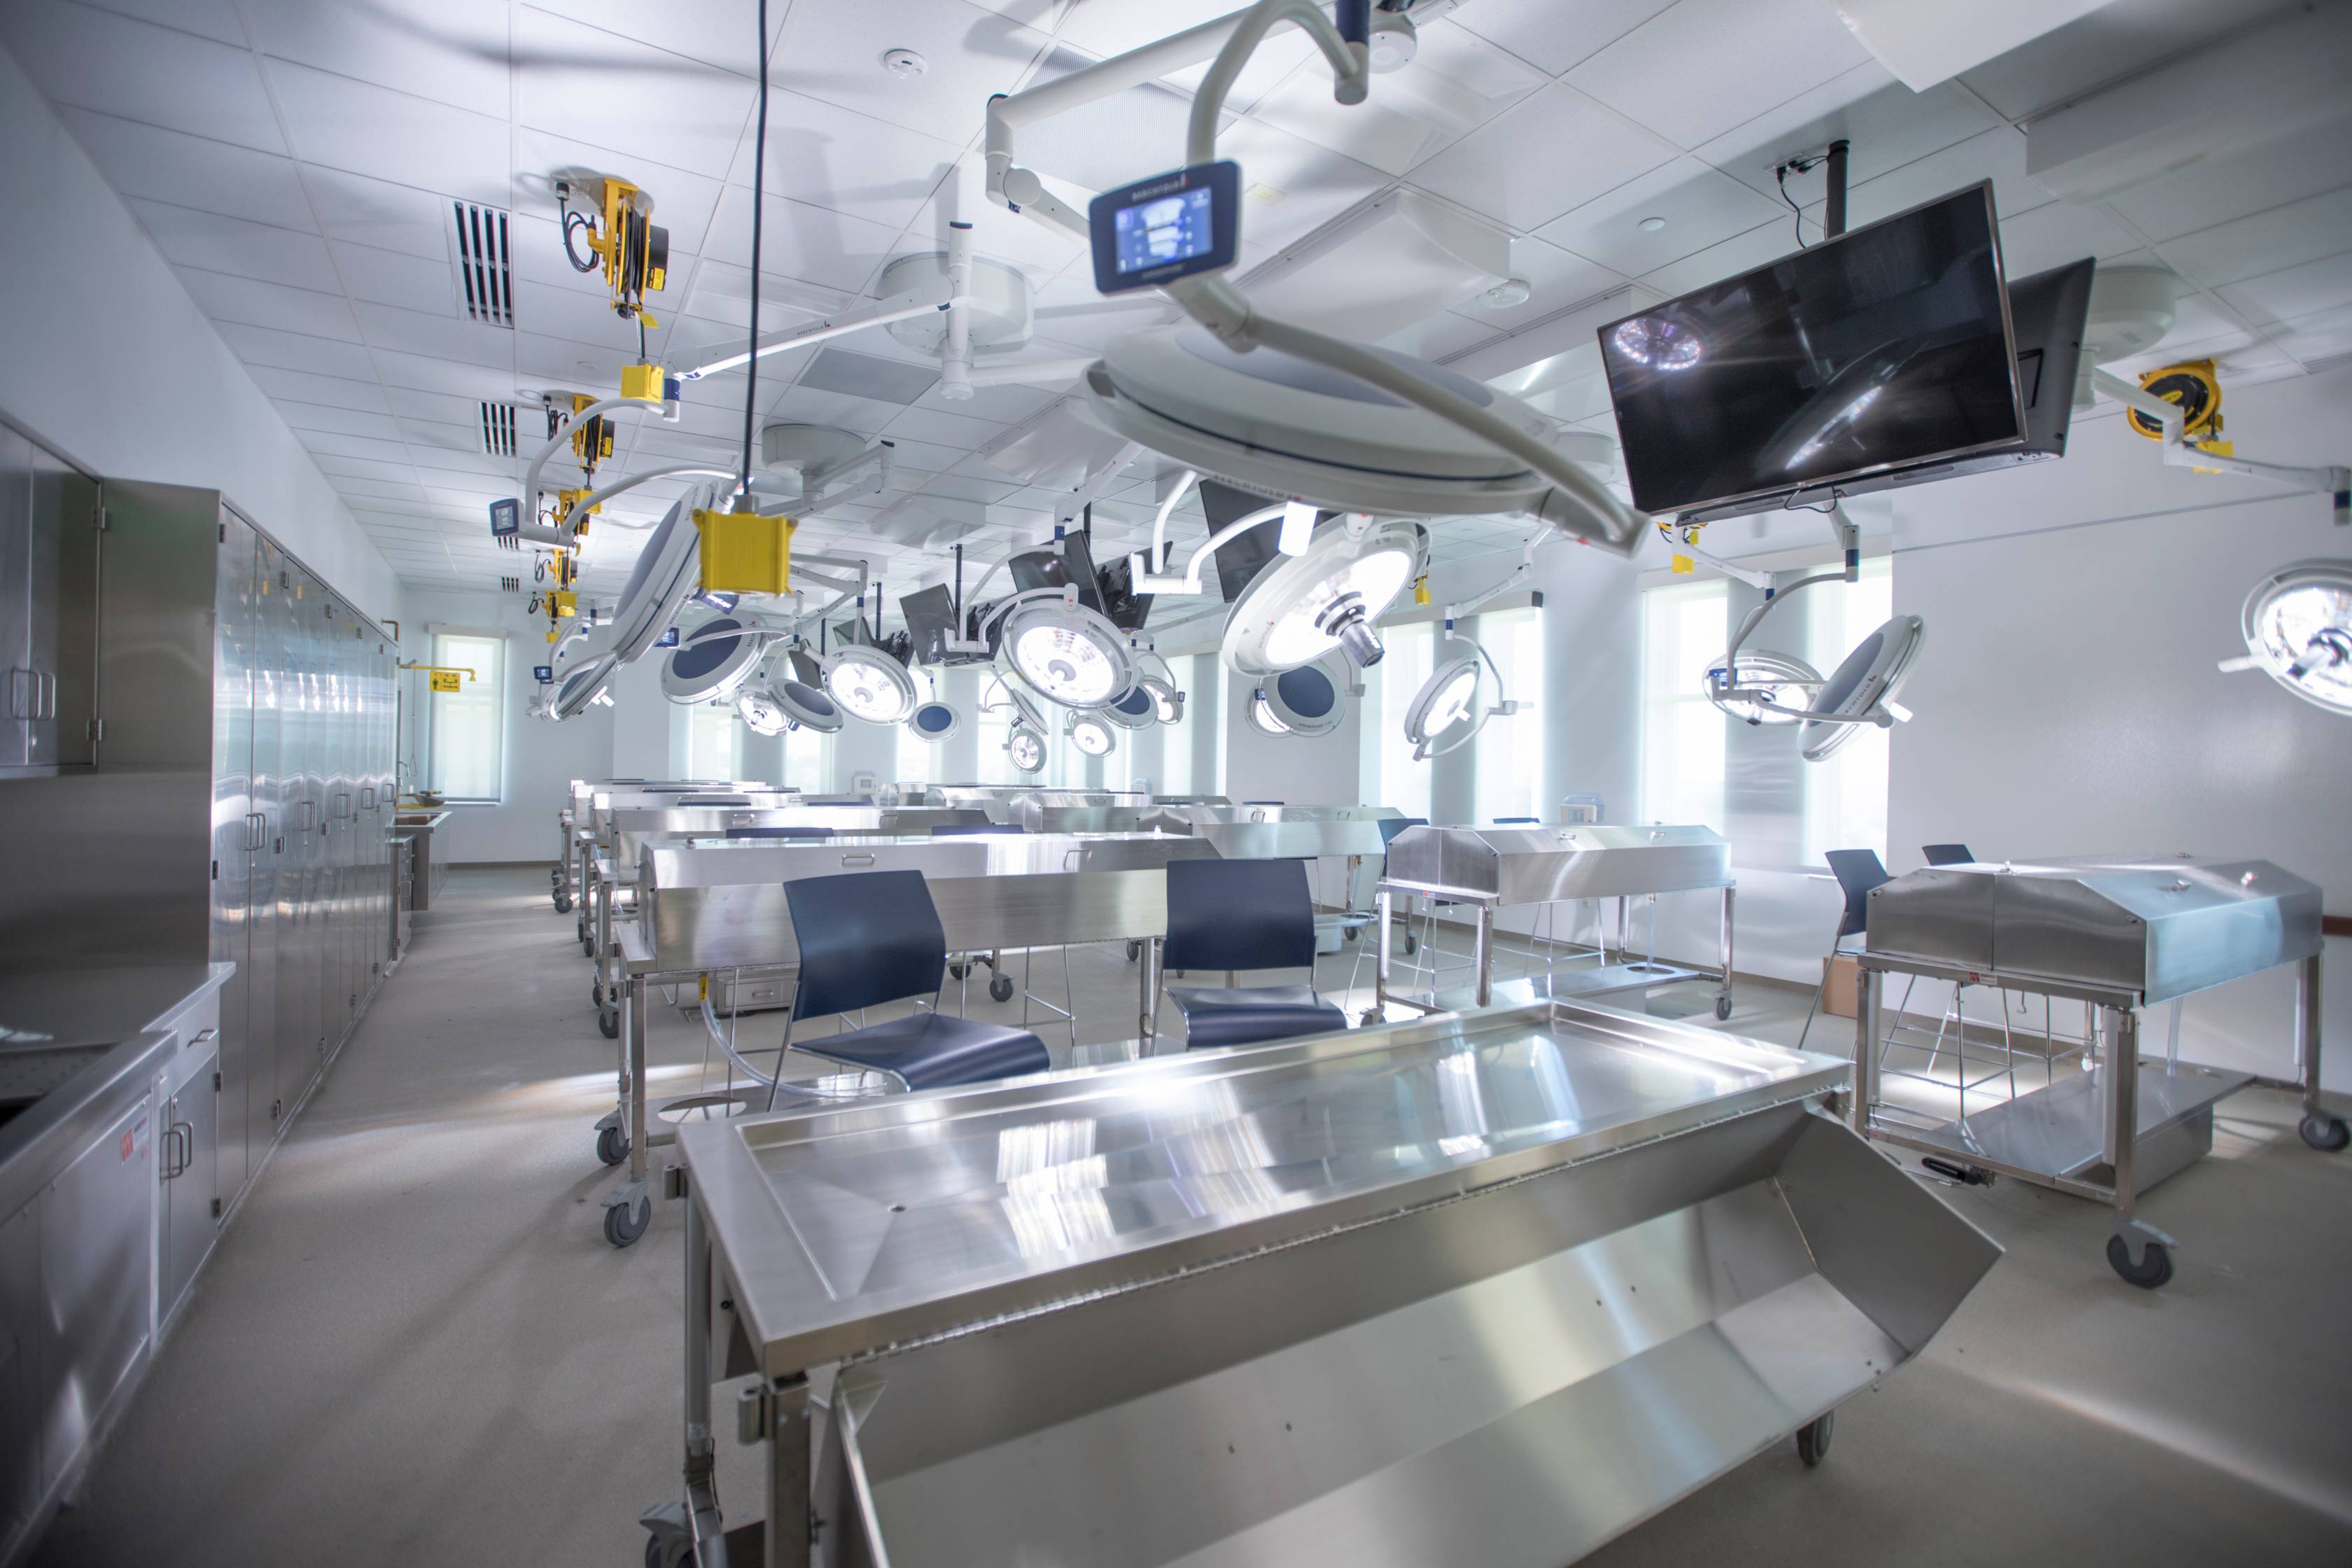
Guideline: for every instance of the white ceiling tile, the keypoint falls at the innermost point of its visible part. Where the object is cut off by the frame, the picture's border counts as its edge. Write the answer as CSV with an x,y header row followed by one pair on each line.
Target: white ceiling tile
x,y
1457,82
1701,67
292,350
377,213
1111,142
721,33
214,19
1443,334
1557,35
1699,207
225,298
807,405
216,243
390,278
958,431
2322,335
434,336
2208,194
1997,154
1502,171
721,297
339,468
1104,30
409,141
445,408
682,201
587,367
922,457
191,170
2293,293
1069,308
389,488
423,372
1316,185
2059,232
574,80
2265,242
836,158
997,405
814,245
1885,124
560,312
454,51
426,435
2119,39
320,418
1741,253
327,391
1560,278
834,53
95,60
348,445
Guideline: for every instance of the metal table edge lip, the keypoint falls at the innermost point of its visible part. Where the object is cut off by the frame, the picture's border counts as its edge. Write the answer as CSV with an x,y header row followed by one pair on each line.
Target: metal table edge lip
x,y
60,1118
1886,961
722,1166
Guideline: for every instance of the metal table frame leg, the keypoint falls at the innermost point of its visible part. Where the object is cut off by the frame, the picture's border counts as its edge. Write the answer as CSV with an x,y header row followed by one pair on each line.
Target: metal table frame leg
x,y
1147,1001
633,1196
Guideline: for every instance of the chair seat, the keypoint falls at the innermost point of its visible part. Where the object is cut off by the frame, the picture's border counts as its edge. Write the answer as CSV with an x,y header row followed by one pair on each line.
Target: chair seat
x,y
932,1050
1251,1013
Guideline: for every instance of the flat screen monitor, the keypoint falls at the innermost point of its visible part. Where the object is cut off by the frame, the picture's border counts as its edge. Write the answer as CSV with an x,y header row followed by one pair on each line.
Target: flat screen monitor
x,y
1887,347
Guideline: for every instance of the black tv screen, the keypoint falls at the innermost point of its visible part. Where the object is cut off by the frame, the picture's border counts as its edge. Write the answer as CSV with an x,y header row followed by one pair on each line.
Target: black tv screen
x,y
1889,345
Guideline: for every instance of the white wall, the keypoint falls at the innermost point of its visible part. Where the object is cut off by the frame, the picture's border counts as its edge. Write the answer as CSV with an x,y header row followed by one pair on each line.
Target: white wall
x,y
111,364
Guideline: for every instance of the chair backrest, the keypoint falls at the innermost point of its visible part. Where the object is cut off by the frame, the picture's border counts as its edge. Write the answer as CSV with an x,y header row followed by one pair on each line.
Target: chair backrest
x,y
1392,825
780,833
1517,821
1239,914
865,938
958,829
1947,854
1857,871
1261,803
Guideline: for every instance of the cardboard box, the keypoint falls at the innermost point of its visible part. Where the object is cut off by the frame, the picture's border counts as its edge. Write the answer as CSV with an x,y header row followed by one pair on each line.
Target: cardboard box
x,y
1838,1001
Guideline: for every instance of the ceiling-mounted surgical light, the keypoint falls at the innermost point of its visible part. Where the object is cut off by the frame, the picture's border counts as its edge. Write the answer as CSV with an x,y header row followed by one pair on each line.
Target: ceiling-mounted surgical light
x,y
1862,689
1159,683
1447,712
793,687
1089,733
1132,709
760,712
575,691
712,661
1068,654
1301,607
934,720
1307,702
1763,687
1026,748
868,684
2297,624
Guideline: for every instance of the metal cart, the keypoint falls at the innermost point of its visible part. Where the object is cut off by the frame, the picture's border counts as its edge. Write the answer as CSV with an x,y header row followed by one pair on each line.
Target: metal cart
x,y
2118,934
1317,833
1486,1289
1488,868
712,912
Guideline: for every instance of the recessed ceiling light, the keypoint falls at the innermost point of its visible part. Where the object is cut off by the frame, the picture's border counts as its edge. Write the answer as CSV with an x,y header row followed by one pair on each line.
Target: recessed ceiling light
x,y
1652,224
1509,292
904,64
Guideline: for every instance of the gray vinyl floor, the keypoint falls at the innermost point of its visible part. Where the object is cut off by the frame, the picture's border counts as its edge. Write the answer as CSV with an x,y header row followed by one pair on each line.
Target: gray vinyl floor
x,y
415,1346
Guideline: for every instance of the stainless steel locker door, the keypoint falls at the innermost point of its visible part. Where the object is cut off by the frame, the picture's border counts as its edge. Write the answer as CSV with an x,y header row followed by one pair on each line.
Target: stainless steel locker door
x,y
245,1106
236,830
20,686
63,628
300,954
347,826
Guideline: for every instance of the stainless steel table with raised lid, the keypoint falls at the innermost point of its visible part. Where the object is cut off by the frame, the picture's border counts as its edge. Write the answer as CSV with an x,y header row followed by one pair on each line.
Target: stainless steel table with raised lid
x,y
1476,1289
2118,934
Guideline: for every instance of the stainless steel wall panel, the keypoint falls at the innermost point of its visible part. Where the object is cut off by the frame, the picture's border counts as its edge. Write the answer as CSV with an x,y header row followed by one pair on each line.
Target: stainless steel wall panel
x,y
239,824
20,697
62,630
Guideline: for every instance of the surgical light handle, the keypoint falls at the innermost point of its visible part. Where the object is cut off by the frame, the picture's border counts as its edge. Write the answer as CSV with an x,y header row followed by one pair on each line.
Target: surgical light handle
x,y
2332,482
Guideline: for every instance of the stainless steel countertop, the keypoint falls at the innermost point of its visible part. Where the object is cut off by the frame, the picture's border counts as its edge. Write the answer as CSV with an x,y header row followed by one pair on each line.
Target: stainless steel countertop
x,y
85,1006
855,1229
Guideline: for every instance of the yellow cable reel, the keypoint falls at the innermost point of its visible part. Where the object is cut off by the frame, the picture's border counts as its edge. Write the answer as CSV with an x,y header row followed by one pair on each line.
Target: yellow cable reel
x,y
2196,388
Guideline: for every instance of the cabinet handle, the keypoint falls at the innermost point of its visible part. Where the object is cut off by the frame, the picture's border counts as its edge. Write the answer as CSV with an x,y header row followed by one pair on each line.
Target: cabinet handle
x,y
181,1137
255,829
857,859
24,693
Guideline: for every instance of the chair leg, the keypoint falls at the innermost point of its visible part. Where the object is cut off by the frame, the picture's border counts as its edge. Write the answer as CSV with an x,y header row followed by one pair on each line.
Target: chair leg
x,y
1819,991
776,1084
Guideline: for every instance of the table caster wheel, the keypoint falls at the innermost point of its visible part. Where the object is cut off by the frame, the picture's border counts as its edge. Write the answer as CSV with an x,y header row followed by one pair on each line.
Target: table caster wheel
x,y
608,1023
597,992
2153,1268
1412,945
563,904
624,1223
612,1145
958,971
2324,1133
1000,988
1134,951
1723,1008
1813,1438
587,947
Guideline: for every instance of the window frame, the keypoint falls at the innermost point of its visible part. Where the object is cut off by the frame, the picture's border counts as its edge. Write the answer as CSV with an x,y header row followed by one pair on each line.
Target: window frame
x,y
495,682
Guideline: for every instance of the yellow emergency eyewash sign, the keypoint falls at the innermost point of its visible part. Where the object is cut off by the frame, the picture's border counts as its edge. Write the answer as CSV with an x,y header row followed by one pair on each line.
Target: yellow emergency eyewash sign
x,y
445,680
443,677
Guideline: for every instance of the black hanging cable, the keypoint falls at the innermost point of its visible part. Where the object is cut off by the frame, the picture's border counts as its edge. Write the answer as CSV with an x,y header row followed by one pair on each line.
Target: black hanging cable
x,y
758,186
1780,177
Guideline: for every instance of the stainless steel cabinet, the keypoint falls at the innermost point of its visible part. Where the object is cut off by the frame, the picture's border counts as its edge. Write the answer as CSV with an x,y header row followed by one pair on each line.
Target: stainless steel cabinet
x,y
48,609
187,1146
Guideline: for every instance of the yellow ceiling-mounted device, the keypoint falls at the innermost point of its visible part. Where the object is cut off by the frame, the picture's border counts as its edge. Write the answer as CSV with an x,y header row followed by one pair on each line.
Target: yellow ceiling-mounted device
x,y
745,553
623,238
2194,388
592,439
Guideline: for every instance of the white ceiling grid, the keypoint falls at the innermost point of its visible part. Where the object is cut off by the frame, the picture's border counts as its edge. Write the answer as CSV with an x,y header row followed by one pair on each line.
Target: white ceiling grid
x,y
296,161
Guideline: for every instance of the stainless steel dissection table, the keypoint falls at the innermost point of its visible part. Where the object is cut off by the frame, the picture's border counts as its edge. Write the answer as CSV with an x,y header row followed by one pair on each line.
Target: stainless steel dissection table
x,y
2117,933
1473,1288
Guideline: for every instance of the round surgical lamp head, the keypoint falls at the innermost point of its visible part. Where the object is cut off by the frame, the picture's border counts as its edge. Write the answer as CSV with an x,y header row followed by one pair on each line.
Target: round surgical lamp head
x,y
668,573
1310,700
1159,683
1865,683
712,661
1780,679
934,720
1131,710
1066,653
804,706
2298,626
1301,607
1026,748
1445,707
760,712
1089,733
576,689
1286,426
868,684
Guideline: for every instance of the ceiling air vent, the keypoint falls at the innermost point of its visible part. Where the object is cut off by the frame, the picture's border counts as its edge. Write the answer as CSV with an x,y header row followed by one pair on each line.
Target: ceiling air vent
x,y
511,584
484,279
498,429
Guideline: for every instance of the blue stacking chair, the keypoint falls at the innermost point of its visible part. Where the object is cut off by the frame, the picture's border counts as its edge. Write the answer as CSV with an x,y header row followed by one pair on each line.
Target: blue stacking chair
x,y
1857,872
959,829
1518,821
873,937
796,832
1243,914
1947,854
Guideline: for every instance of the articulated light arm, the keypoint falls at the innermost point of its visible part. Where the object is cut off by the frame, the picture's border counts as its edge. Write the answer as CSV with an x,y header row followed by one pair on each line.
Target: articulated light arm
x,y
1350,62
950,291
1188,581
2332,482
556,443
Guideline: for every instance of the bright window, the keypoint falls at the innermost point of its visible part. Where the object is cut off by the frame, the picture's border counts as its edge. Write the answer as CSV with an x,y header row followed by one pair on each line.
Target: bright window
x,y
468,725
1684,630
1846,797
710,741
1392,777
808,761
1510,750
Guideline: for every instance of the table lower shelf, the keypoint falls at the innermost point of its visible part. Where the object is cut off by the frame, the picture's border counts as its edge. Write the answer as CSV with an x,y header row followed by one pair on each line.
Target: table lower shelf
x,y
2057,1132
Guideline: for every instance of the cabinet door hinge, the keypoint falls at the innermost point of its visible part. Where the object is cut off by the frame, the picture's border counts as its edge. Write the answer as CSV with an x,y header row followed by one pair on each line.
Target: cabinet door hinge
x,y
217,1208
105,519
224,533
216,1083
98,729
